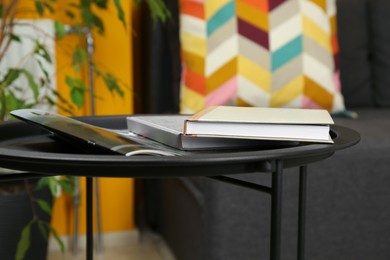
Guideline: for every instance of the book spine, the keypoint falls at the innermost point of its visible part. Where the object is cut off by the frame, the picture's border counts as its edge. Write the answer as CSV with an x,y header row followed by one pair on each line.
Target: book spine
x,y
147,130
197,116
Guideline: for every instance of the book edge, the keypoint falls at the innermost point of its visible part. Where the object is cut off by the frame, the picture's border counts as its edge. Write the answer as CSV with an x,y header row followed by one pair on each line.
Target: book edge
x,y
199,117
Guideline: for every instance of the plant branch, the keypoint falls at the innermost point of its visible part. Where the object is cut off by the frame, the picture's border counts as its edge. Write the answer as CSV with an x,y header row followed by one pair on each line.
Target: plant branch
x,y
30,195
7,26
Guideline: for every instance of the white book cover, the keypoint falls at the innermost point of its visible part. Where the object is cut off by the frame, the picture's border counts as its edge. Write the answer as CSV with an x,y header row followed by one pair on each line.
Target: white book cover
x,y
261,123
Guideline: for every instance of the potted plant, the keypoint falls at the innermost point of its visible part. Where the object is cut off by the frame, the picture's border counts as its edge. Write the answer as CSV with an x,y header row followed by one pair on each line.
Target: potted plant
x,y
25,219
16,80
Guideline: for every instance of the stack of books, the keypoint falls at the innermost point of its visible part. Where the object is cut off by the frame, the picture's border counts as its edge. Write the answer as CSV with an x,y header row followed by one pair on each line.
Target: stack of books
x,y
227,127
214,128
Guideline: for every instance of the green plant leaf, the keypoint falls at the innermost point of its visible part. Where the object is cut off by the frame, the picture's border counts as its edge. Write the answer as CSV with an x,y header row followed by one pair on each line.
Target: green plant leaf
x,y
98,23
43,230
42,183
77,97
39,7
64,105
65,109
120,12
75,83
77,90
24,242
12,102
69,82
10,77
158,10
49,99
67,186
57,238
79,58
49,7
31,83
100,3
51,183
87,15
70,14
41,51
60,30
44,206
45,72
15,37
62,99
112,84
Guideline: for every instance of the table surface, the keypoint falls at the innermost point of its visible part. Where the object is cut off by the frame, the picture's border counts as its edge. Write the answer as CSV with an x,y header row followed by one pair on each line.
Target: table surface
x,y
28,148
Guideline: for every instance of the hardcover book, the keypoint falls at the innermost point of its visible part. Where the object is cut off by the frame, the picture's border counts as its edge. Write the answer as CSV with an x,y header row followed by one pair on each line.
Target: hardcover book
x,y
168,129
304,125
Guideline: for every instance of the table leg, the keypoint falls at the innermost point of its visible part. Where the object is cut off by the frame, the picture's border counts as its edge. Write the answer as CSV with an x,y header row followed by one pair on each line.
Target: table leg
x,y
89,188
99,242
276,211
302,212
76,207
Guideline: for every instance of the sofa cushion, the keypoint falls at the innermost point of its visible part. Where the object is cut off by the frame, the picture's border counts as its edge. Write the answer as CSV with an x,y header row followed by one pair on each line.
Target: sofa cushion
x,y
364,52
265,53
347,197
347,206
373,126
355,66
380,42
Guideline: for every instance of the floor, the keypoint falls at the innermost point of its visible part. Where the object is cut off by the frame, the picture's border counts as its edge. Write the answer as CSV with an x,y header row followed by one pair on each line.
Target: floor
x,y
121,247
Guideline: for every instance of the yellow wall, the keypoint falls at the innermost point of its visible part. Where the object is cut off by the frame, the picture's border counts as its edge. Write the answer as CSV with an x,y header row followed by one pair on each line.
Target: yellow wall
x,y
112,52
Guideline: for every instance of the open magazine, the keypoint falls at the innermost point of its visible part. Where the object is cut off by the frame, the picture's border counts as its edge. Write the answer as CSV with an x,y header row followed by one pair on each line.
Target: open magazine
x,y
92,138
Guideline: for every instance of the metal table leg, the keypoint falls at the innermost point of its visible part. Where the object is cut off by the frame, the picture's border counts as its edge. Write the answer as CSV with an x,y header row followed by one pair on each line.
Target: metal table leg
x,y
302,212
99,238
89,190
276,207
276,211
76,208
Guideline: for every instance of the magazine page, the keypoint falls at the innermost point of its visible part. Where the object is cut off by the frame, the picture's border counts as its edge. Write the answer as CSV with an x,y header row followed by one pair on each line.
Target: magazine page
x,y
92,138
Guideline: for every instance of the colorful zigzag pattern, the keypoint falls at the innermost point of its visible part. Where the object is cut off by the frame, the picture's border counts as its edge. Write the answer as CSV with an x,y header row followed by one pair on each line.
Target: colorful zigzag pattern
x,y
270,53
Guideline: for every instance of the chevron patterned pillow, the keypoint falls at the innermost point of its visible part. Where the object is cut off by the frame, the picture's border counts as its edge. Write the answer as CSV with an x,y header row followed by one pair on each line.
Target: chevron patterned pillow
x,y
269,53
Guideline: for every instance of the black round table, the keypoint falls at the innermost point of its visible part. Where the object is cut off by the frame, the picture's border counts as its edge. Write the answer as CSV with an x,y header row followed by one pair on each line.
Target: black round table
x,y
28,148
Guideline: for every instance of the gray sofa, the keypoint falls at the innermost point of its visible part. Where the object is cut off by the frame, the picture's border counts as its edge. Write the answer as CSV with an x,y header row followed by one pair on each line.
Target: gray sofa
x,y
348,204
